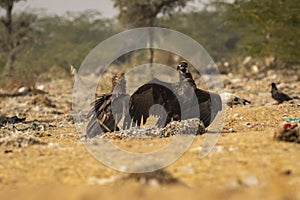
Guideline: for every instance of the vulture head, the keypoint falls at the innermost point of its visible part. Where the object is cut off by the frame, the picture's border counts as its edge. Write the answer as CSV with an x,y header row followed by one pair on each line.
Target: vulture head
x,y
182,66
118,83
184,73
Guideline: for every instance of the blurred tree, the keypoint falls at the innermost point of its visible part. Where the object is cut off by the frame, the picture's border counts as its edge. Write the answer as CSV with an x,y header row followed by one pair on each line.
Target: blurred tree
x,y
206,26
144,13
16,33
65,40
273,25
51,43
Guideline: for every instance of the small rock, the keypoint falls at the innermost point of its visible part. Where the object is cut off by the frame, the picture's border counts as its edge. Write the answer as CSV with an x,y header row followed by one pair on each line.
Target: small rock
x,y
287,172
53,145
231,130
123,168
196,149
254,69
233,184
233,149
103,181
154,183
284,116
250,181
23,90
218,148
40,87
189,168
190,126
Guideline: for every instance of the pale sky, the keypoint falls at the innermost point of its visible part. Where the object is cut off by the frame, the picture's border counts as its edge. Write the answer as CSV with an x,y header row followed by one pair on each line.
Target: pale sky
x,y
62,6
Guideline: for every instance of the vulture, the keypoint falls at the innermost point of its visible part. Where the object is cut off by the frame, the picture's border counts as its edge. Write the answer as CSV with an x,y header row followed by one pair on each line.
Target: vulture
x,y
209,103
169,101
177,99
279,96
110,109
154,98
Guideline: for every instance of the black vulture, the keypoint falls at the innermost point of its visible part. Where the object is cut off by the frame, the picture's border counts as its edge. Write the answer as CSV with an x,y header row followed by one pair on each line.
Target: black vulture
x,y
110,109
182,100
209,103
154,98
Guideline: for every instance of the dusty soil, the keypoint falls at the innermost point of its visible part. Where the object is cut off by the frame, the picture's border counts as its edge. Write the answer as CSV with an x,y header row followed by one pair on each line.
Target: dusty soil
x,y
50,159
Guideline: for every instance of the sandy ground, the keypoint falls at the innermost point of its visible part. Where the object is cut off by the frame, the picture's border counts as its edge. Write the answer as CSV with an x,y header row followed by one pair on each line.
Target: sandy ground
x,y
246,163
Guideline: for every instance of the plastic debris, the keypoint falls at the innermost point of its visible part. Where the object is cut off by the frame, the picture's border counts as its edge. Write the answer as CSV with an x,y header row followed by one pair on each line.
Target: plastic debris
x,y
290,130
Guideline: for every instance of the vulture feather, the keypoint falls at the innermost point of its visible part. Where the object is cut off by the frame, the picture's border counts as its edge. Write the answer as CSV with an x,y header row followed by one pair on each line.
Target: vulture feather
x,y
177,99
209,103
109,109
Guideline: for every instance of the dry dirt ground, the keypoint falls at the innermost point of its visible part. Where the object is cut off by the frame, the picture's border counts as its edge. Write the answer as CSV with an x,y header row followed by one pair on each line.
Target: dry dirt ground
x,y
44,158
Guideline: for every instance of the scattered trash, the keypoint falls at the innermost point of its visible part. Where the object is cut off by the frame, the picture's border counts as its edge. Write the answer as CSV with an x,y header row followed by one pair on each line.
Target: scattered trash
x,y
231,130
290,130
188,168
23,91
189,126
11,120
20,141
231,99
40,87
293,119
183,127
155,178
43,101
103,181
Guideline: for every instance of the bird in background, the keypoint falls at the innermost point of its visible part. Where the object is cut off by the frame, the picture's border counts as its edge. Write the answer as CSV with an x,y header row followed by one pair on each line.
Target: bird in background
x,y
231,99
279,96
110,110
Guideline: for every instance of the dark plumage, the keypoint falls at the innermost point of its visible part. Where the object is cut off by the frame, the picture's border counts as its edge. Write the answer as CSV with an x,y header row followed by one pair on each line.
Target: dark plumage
x,y
231,100
170,101
109,109
278,95
209,103
177,99
238,100
155,92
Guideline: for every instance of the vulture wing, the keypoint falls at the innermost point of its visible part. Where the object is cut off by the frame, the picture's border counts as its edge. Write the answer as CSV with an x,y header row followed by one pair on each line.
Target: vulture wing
x,y
144,99
106,113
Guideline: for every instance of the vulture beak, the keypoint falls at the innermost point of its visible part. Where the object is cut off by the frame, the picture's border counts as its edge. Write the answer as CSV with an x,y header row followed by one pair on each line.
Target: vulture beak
x,y
181,68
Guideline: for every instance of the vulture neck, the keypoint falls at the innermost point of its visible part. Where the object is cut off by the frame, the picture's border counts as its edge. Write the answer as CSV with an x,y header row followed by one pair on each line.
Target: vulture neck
x,y
187,77
119,88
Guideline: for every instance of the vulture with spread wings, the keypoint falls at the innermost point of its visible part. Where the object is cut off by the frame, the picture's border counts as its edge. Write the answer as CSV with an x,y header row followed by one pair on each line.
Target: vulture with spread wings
x,y
209,103
155,98
174,101
110,109
168,101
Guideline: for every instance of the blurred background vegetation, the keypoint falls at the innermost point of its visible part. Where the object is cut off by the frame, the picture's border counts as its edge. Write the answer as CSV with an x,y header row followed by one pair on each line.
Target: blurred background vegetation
x,y
237,35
